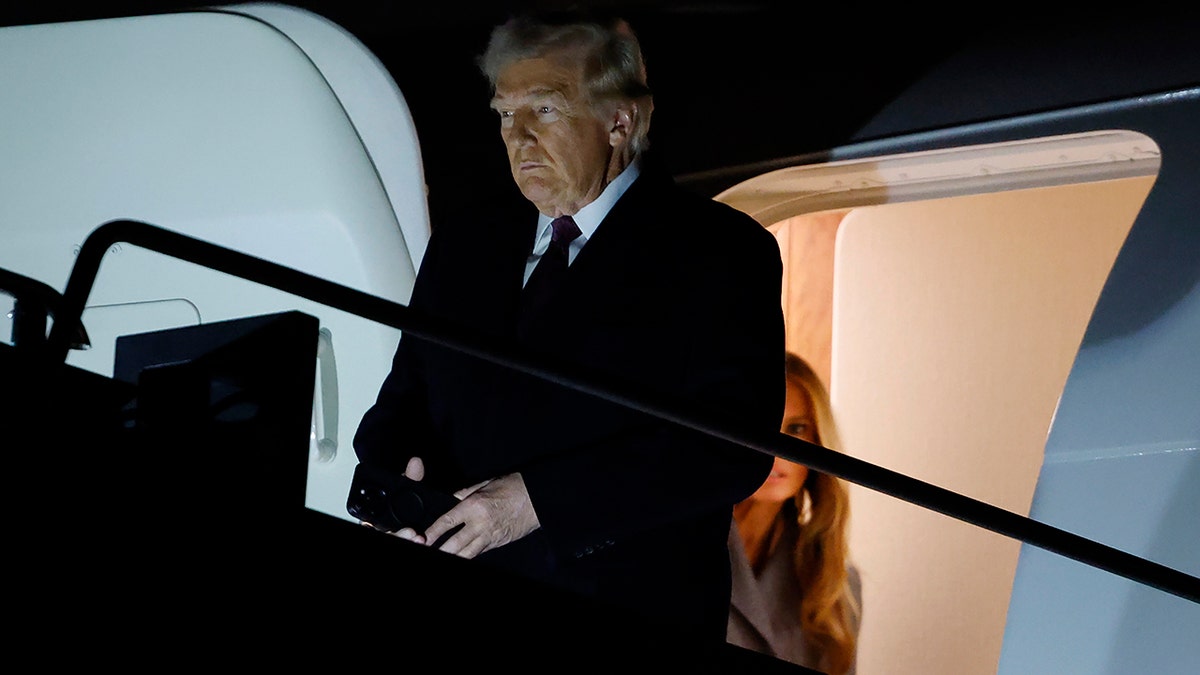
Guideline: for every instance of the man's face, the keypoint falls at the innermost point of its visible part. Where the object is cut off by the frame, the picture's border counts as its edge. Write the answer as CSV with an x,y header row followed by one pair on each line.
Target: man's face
x,y
560,153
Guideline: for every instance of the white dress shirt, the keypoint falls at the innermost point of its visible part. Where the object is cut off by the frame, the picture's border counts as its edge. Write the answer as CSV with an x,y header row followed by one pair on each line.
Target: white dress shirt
x,y
588,218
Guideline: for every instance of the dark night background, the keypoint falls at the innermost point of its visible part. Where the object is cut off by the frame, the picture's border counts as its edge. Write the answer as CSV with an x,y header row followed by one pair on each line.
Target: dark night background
x,y
740,85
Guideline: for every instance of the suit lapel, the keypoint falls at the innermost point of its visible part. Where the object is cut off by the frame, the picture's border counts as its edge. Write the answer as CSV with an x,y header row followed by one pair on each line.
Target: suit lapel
x,y
495,281
619,238
747,598
612,261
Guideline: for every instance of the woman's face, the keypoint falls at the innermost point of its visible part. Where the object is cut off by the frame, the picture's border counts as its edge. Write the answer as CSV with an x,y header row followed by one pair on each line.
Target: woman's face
x,y
799,420
799,414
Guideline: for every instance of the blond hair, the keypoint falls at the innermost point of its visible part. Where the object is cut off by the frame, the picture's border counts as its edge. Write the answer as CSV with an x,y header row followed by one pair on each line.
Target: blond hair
x,y
828,610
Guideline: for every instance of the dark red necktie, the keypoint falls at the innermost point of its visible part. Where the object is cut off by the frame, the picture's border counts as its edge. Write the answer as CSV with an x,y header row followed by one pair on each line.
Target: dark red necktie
x,y
549,272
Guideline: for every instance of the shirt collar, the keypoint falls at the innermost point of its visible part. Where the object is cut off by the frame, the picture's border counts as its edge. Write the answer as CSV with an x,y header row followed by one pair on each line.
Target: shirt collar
x,y
589,217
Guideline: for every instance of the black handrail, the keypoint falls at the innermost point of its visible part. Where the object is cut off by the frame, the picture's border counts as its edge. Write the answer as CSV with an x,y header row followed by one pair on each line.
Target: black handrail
x,y
421,325
33,303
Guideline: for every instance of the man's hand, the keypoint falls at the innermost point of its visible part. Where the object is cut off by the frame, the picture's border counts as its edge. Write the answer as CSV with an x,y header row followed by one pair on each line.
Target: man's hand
x,y
493,513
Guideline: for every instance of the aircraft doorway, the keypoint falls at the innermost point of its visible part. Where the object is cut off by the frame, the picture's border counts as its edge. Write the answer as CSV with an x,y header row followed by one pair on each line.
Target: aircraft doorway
x,y
943,297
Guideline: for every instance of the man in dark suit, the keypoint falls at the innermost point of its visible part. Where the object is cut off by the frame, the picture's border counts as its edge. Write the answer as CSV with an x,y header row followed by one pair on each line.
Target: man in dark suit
x,y
658,289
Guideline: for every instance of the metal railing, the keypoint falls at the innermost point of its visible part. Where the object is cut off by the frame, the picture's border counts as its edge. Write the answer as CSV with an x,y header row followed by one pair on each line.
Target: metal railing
x,y
428,327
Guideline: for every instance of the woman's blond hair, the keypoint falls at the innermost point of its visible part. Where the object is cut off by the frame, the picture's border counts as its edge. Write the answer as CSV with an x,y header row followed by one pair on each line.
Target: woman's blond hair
x,y
828,610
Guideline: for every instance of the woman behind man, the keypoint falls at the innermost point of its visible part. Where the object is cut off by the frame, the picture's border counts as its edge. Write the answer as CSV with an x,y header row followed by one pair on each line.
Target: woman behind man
x,y
796,596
